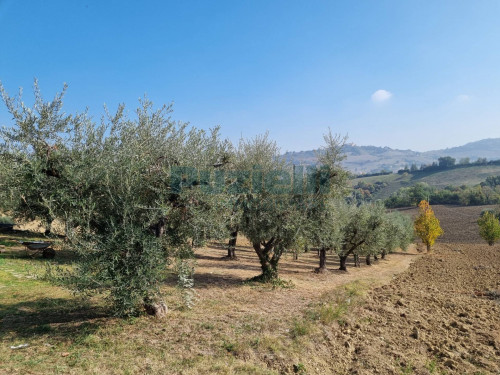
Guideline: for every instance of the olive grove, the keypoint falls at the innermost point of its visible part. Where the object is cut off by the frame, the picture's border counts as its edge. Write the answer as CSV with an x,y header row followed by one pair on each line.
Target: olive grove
x,y
137,194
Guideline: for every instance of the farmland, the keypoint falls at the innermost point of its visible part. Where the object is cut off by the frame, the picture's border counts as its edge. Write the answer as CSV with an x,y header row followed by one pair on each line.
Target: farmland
x,y
274,187
410,313
468,176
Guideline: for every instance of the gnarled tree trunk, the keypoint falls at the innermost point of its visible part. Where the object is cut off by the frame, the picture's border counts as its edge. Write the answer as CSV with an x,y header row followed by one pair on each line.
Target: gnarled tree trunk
x,y
322,261
155,306
343,261
158,309
268,257
368,260
159,227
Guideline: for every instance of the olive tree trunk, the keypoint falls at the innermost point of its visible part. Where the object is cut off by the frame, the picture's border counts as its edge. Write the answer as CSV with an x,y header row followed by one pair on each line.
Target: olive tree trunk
x,y
269,256
343,261
357,263
155,306
368,260
231,246
322,261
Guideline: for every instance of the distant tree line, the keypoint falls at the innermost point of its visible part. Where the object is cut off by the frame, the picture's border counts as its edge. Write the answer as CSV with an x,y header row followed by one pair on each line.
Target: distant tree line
x,y
487,192
445,163
383,172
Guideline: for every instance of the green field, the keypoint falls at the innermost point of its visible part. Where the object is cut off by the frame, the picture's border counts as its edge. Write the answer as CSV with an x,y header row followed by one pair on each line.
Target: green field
x,y
468,176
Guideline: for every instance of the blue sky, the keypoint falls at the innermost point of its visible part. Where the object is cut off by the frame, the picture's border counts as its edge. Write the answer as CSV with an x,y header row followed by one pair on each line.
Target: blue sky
x,y
405,74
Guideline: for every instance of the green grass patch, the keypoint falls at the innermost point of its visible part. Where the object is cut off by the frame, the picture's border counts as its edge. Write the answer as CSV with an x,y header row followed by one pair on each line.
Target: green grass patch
x,y
6,220
8,243
335,306
300,328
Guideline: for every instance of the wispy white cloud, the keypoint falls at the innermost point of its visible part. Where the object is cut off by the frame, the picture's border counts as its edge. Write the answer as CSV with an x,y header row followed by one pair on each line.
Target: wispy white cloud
x,y
380,96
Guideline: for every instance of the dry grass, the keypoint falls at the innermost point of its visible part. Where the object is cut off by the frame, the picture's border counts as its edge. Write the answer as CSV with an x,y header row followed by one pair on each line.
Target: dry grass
x,y
315,327
234,328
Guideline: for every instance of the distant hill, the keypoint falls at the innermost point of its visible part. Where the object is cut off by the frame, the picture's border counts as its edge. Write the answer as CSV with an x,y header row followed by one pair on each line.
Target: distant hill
x,y
468,176
369,159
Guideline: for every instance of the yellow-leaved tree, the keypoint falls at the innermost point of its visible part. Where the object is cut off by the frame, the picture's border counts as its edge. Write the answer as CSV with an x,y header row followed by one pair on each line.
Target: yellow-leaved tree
x,y
427,225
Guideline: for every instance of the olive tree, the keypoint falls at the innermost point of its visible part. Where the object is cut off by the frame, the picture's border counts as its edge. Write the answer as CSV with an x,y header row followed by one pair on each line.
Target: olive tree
x,y
270,216
35,153
285,205
360,229
132,192
253,157
138,198
324,232
323,219
398,233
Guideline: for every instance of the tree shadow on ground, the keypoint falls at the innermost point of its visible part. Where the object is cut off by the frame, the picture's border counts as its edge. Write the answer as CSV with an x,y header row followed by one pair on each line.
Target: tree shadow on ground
x,y
208,280
55,318
61,257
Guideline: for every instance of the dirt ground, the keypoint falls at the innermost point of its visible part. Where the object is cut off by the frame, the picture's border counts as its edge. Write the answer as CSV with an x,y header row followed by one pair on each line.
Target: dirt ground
x,y
435,313
442,314
215,276
412,313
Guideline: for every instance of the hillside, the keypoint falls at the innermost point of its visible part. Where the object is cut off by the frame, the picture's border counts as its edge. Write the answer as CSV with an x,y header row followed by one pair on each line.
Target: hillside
x,y
411,313
468,176
367,159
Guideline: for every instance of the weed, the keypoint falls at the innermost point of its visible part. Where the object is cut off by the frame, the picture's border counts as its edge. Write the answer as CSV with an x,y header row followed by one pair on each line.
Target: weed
x,y
283,284
208,326
432,366
335,307
300,328
8,243
330,313
229,346
6,220
43,328
406,369
300,369
255,342
257,281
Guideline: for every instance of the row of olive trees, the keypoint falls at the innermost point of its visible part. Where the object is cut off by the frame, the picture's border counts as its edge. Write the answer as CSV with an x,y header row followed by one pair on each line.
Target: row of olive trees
x,y
365,230
137,193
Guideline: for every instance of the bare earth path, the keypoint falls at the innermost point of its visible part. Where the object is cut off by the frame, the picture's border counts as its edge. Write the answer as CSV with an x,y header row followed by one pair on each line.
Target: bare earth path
x,y
415,313
213,280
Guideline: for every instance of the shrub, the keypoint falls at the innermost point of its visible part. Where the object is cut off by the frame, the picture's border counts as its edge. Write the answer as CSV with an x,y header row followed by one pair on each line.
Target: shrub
x,y
489,227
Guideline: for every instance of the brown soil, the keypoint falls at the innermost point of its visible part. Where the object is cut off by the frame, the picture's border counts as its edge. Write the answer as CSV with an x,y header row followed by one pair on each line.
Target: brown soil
x,y
427,313
421,313
443,313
